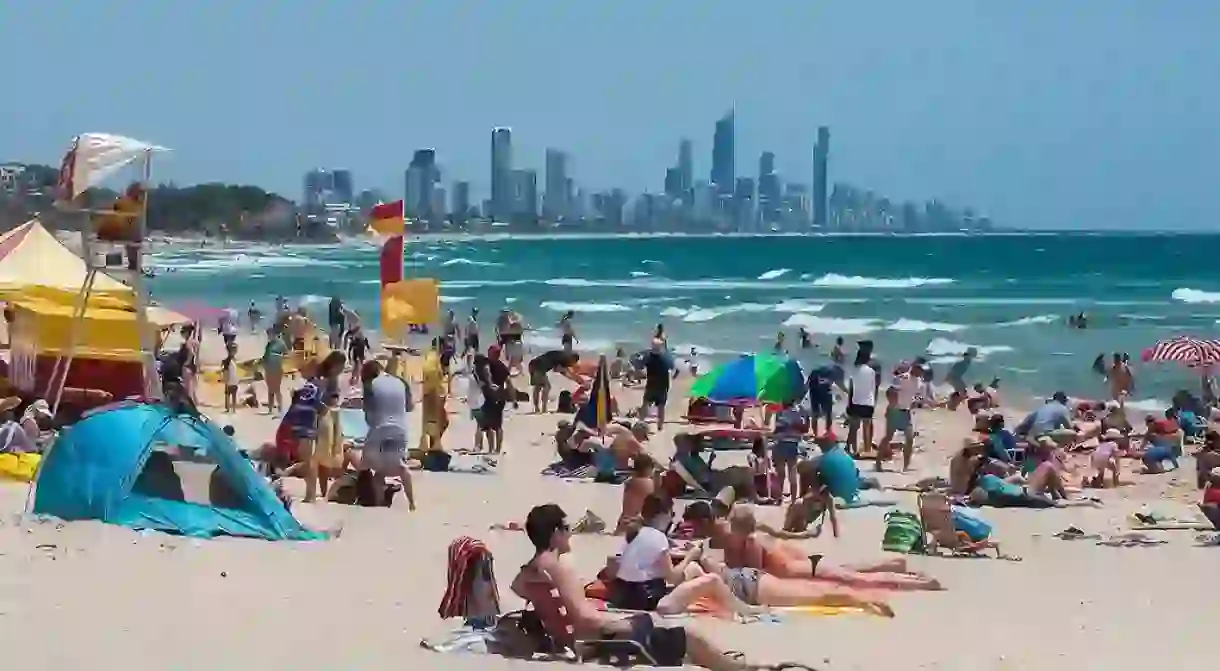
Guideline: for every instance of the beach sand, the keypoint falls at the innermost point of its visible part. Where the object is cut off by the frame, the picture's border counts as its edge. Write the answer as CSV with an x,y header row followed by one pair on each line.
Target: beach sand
x,y
74,594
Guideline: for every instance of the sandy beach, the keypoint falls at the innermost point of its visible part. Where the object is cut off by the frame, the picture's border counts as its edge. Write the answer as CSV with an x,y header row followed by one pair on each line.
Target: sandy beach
x,y
76,593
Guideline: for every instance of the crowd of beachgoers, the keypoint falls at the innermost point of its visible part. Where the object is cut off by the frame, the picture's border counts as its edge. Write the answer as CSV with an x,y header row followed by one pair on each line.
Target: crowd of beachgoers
x,y
721,505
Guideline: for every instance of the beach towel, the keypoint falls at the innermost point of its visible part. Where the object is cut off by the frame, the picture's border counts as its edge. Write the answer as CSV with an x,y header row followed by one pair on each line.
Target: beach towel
x,y
559,470
469,565
19,467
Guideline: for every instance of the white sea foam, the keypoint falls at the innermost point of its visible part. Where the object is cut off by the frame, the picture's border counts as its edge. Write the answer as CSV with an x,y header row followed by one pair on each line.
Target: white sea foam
x,y
1029,321
541,341
696,314
455,299
774,273
798,305
916,326
238,261
674,312
953,349
832,325
836,281
1150,405
479,284
463,261
1195,296
640,273
990,301
564,306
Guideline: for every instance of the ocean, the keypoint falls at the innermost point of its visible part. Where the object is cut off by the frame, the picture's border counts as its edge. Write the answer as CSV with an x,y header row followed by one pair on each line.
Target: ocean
x,y
1007,295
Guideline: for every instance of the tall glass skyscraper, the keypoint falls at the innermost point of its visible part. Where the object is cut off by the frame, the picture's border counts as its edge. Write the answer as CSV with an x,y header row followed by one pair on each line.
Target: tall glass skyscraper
x,y
821,156
724,172
502,188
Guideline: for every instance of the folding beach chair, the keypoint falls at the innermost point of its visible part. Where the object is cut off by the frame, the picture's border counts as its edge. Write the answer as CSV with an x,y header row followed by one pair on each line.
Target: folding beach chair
x,y
936,516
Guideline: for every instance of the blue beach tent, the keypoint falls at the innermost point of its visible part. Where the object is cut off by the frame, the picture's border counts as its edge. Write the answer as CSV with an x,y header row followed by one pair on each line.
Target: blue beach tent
x,y
100,469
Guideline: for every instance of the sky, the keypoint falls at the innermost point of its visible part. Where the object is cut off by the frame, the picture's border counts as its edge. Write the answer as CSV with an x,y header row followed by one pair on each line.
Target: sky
x,y
1039,113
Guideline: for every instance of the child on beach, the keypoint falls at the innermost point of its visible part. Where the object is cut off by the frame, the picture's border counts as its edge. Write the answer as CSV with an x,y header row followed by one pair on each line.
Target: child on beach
x,y
228,372
759,462
1105,458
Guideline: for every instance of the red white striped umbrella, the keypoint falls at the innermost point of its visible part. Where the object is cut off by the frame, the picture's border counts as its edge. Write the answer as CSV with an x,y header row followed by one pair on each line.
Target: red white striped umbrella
x,y
1185,350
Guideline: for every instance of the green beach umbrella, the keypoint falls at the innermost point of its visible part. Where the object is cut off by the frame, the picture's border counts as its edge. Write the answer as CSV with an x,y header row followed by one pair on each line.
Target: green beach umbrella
x,y
762,378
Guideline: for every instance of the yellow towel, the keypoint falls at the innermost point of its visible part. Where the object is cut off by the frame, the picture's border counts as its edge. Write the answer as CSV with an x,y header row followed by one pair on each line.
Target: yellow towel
x,y
19,467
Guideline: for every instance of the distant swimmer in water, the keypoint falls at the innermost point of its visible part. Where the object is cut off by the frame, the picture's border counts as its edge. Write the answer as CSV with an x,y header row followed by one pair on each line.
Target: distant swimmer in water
x,y
1079,321
806,341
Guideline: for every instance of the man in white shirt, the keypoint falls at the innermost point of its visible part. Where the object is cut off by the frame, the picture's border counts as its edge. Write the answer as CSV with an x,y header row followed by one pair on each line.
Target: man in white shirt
x,y
900,397
862,384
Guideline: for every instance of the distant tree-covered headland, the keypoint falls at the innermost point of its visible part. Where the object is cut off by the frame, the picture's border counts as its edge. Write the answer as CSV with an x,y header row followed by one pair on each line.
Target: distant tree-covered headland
x,y
228,210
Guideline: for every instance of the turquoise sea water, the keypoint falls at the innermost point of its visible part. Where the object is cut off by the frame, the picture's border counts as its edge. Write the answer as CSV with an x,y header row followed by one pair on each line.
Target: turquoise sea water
x,y
1008,295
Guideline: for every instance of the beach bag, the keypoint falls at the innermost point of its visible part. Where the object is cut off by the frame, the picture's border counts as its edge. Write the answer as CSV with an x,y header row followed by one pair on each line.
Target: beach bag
x,y
969,522
565,405
903,533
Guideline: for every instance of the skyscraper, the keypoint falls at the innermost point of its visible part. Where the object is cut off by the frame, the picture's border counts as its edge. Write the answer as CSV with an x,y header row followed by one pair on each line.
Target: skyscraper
x,y
501,174
344,191
768,190
821,157
555,197
422,176
723,155
673,183
686,165
460,207
525,195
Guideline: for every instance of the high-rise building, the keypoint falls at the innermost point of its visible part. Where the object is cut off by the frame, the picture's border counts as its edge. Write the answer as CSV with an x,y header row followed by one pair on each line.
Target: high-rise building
x,y
768,190
743,204
686,165
460,206
724,170
525,196
437,207
343,190
821,158
555,197
422,176
501,174
673,183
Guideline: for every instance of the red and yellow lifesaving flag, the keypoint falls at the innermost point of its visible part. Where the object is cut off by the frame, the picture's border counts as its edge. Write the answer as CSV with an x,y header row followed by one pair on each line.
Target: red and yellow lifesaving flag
x,y
387,218
391,260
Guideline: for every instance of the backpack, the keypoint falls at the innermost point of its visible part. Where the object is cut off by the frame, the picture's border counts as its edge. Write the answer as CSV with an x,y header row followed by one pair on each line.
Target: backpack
x,y
904,533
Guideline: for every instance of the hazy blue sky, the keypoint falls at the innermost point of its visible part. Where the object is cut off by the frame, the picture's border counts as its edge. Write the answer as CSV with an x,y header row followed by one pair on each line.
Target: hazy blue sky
x,y
1049,113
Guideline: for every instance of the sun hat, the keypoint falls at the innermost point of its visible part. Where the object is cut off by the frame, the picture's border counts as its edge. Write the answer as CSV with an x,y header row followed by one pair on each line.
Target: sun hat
x,y
1112,434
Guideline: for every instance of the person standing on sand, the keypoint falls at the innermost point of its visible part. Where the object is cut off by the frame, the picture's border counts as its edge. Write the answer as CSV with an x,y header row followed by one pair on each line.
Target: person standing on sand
x,y
861,399
298,328
273,370
188,360
491,376
254,315
387,400
898,416
540,368
657,368
335,321
472,333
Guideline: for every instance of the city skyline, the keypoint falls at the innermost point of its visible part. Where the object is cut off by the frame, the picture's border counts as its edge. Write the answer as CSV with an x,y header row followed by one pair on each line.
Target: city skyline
x,y
729,200
1044,115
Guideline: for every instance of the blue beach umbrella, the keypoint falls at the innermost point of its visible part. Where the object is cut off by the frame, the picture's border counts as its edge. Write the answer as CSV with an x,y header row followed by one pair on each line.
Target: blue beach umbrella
x,y
595,413
760,378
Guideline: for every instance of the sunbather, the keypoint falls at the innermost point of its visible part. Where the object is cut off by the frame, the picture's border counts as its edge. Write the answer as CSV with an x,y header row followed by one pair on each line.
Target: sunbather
x,y
645,578
758,588
548,531
746,547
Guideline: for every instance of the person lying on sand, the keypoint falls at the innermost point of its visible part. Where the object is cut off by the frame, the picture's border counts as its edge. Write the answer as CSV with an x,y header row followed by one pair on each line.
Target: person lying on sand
x,y
549,533
746,547
1042,487
758,588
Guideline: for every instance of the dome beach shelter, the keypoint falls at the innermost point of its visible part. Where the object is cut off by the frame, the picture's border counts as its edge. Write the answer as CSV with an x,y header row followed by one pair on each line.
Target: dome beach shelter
x,y
141,466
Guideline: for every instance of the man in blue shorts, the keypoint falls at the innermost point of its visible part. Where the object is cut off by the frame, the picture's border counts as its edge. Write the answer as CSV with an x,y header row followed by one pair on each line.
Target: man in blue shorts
x,y
821,397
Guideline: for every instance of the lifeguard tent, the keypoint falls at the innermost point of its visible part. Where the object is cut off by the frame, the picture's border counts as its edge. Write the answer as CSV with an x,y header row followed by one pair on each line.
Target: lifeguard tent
x,y
40,280
142,466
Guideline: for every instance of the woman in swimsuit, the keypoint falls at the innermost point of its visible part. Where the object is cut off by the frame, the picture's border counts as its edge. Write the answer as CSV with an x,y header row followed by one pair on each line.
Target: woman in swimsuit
x,y
763,589
746,547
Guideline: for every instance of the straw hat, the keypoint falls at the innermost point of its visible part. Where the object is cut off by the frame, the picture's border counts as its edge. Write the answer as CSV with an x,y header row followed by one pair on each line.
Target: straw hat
x,y
1112,434
9,402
